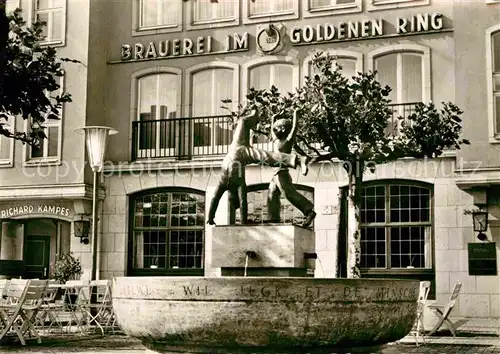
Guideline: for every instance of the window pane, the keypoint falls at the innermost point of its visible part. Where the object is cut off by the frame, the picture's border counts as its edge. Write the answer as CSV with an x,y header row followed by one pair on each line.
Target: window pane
x,y
408,247
56,25
202,10
283,78
43,17
205,10
159,12
373,254
11,5
386,67
260,77
42,4
37,150
260,7
348,67
319,3
497,112
5,144
373,205
496,52
53,141
202,101
412,78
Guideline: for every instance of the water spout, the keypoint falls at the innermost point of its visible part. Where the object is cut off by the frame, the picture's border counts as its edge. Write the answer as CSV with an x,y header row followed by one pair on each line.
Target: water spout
x,y
248,256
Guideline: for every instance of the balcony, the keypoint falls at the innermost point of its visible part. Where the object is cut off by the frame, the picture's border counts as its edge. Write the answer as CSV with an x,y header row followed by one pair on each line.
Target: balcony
x,y
185,138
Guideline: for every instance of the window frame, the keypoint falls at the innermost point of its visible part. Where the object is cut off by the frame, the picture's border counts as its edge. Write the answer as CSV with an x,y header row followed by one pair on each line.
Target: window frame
x,y
9,162
193,24
139,30
284,15
263,187
191,71
399,49
387,225
135,95
47,160
493,118
341,54
375,5
131,271
334,9
32,18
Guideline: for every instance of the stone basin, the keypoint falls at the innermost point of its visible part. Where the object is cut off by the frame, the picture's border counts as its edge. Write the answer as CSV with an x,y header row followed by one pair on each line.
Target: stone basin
x,y
231,313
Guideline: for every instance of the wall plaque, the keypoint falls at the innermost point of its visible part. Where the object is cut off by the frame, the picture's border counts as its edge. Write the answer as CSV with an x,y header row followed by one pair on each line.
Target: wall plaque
x,y
482,259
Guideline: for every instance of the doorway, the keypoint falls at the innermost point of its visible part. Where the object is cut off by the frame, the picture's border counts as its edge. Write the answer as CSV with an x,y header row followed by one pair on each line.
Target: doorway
x,y
37,256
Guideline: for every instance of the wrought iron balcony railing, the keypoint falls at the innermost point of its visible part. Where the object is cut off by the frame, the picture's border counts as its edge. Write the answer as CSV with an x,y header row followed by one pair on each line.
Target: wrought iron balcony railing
x,y
184,138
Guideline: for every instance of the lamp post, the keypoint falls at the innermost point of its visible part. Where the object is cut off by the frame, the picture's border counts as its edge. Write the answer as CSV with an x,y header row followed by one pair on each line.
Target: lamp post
x,y
480,222
96,138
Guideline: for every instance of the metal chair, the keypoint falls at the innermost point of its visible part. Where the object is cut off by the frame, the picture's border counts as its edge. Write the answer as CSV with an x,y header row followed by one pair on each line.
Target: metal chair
x,y
442,312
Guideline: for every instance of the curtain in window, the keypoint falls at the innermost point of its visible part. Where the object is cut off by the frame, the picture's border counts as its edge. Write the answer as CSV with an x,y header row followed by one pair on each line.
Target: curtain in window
x,y
260,7
159,12
387,72
412,78
495,39
348,67
279,75
206,10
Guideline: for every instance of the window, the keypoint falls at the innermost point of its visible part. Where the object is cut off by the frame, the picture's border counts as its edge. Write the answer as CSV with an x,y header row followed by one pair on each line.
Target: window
x,y
406,69
493,83
257,206
209,84
11,5
263,73
49,149
263,10
374,5
210,14
157,16
158,106
53,13
7,144
168,232
351,63
313,8
396,227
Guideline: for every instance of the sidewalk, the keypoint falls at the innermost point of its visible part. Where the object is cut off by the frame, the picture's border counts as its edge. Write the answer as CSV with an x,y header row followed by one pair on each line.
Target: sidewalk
x,y
122,344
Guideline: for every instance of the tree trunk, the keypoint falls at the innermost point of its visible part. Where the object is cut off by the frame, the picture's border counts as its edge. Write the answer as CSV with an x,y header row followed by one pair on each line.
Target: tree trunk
x,y
354,218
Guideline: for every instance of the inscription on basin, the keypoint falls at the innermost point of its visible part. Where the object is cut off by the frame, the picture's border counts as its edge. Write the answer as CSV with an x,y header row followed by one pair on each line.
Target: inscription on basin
x,y
244,292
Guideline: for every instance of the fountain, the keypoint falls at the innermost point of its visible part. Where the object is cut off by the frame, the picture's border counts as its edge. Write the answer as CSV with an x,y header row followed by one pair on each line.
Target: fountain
x,y
274,308
266,298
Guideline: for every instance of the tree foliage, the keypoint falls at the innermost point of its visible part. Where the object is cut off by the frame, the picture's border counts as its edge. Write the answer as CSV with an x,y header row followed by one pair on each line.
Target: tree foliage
x,y
30,80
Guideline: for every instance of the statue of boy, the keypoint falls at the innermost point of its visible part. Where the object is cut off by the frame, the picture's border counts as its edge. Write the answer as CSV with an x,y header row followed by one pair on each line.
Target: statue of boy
x,y
283,132
240,154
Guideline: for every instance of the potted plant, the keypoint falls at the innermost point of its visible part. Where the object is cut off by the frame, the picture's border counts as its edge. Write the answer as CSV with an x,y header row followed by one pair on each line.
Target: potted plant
x,y
67,267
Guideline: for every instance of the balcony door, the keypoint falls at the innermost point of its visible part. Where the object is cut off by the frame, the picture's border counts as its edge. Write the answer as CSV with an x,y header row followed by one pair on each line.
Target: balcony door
x,y
158,109
211,129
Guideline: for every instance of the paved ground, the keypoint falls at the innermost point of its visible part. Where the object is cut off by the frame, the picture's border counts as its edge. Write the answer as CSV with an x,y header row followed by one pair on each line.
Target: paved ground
x,y
124,345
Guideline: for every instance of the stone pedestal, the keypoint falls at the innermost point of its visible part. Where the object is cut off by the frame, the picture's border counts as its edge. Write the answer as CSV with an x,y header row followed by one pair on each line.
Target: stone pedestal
x,y
277,250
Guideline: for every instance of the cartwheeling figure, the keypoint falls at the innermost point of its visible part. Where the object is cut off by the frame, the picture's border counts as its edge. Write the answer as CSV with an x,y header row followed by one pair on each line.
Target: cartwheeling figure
x,y
240,154
283,132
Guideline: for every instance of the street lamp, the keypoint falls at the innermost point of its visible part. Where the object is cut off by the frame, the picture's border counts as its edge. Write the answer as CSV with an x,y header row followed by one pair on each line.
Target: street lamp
x,y
480,222
95,138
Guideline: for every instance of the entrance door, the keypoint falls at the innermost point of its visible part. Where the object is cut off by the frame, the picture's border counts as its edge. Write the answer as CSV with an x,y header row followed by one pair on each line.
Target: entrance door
x,y
37,256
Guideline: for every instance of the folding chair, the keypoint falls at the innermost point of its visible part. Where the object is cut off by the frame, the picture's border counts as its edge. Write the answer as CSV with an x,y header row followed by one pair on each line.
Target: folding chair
x,y
442,312
50,309
74,300
4,284
10,309
418,330
23,303
100,311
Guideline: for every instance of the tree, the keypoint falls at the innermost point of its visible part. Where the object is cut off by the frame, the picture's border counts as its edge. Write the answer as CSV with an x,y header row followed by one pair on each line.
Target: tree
x,y
29,78
348,120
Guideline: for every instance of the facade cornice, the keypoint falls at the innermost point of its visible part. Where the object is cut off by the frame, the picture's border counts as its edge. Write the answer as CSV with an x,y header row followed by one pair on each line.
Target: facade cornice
x,y
49,191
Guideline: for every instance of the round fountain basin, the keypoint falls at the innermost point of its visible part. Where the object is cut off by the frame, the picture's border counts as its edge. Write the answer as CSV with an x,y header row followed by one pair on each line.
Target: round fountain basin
x,y
218,314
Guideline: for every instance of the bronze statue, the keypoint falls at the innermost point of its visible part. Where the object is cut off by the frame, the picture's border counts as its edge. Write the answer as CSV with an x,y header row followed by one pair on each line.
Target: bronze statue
x,y
283,132
240,154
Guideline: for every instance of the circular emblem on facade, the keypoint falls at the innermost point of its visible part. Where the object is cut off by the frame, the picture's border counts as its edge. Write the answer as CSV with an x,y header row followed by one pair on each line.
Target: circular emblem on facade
x,y
268,39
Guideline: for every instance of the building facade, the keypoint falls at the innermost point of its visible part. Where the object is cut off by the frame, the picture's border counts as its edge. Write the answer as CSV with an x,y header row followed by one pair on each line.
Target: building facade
x,y
158,71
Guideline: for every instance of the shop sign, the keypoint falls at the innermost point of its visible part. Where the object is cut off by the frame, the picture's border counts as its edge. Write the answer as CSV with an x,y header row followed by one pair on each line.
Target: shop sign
x,y
47,209
185,47
368,28
482,258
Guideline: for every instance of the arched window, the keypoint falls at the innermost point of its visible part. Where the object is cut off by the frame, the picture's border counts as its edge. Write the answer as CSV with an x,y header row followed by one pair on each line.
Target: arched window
x,y
157,94
493,80
406,69
209,84
263,73
167,232
257,205
396,226
351,63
